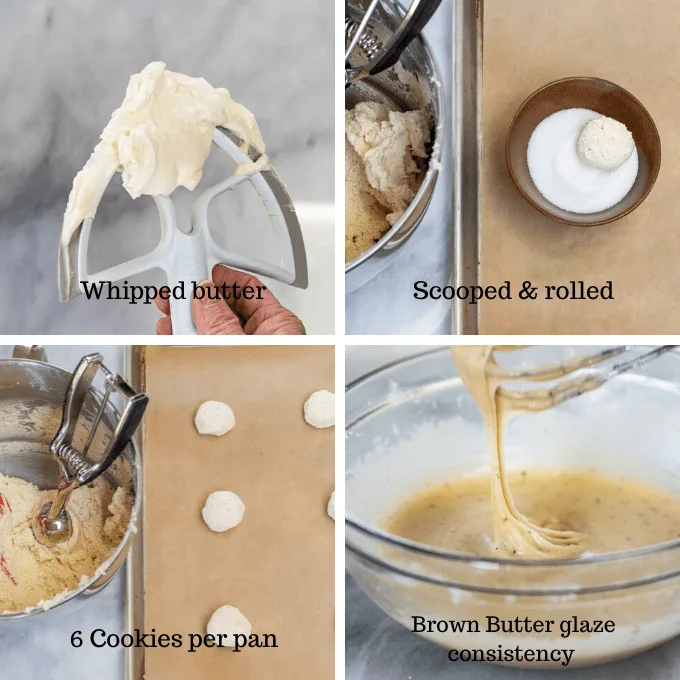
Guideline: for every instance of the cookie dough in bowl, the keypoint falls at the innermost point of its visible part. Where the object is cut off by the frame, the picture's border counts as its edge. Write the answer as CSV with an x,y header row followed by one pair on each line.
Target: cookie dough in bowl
x,y
31,574
385,164
35,579
420,532
394,134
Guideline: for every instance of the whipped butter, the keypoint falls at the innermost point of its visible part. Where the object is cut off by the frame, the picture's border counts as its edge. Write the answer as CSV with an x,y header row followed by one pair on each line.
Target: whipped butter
x,y
159,139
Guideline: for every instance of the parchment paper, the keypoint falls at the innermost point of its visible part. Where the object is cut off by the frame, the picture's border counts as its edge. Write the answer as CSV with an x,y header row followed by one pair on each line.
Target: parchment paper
x,y
528,43
277,565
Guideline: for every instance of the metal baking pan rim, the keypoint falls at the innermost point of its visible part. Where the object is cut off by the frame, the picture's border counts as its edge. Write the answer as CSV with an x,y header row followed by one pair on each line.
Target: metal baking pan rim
x,y
135,574
133,368
468,24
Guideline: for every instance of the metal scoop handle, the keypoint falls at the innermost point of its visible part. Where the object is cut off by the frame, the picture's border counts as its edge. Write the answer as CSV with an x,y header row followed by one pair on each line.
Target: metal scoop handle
x,y
415,19
75,463
52,524
127,425
414,22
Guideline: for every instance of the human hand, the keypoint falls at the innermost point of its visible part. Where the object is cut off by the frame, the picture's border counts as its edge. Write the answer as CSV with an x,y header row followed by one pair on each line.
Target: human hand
x,y
232,313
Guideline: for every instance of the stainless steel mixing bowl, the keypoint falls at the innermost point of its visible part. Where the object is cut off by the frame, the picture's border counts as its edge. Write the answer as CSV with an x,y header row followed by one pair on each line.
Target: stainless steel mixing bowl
x,y
31,398
412,424
418,86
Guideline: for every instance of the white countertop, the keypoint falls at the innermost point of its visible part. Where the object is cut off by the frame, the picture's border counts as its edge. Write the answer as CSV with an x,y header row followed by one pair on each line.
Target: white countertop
x,y
39,647
378,648
385,305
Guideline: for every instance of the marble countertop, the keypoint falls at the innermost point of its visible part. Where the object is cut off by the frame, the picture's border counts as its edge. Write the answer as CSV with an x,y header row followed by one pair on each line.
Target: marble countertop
x,y
39,647
385,305
64,69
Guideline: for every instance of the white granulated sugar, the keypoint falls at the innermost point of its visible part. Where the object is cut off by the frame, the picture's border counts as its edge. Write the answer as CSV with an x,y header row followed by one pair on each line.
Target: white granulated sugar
x,y
560,174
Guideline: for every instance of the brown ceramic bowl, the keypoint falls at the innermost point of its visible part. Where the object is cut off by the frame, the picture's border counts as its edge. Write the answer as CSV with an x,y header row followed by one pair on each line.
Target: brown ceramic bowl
x,y
605,98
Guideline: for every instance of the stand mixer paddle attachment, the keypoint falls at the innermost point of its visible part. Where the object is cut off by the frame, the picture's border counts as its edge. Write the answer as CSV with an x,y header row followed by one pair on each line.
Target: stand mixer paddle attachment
x,y
52,524
188,258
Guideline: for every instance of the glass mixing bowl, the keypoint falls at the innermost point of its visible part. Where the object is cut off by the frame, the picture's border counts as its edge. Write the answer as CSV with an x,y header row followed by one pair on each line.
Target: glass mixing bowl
x,y
411,424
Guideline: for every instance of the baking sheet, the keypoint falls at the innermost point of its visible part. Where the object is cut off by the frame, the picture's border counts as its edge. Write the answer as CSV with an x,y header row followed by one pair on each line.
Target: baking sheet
x,y
277,566
528,43
134,363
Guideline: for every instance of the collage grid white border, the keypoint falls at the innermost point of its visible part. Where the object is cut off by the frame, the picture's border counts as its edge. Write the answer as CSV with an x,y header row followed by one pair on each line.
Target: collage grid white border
x,y
340,341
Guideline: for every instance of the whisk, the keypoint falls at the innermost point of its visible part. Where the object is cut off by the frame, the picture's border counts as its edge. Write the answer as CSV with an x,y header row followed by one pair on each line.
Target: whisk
x,y
379,56
518,533
541,399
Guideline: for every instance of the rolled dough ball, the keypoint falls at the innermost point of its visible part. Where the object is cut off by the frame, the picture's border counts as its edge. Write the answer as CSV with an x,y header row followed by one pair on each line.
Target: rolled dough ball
x,y
320,409
331,507
223,510
605,144
229,621
214,417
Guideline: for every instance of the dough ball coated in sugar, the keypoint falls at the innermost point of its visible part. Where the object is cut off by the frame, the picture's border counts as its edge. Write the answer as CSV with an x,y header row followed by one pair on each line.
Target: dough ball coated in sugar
x,y
229,621
320,409
331,507
605,143
223,510
214,417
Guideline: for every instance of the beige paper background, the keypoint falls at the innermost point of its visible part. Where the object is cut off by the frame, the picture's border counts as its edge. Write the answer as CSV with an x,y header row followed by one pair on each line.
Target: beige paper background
x,y
277,566
528,43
